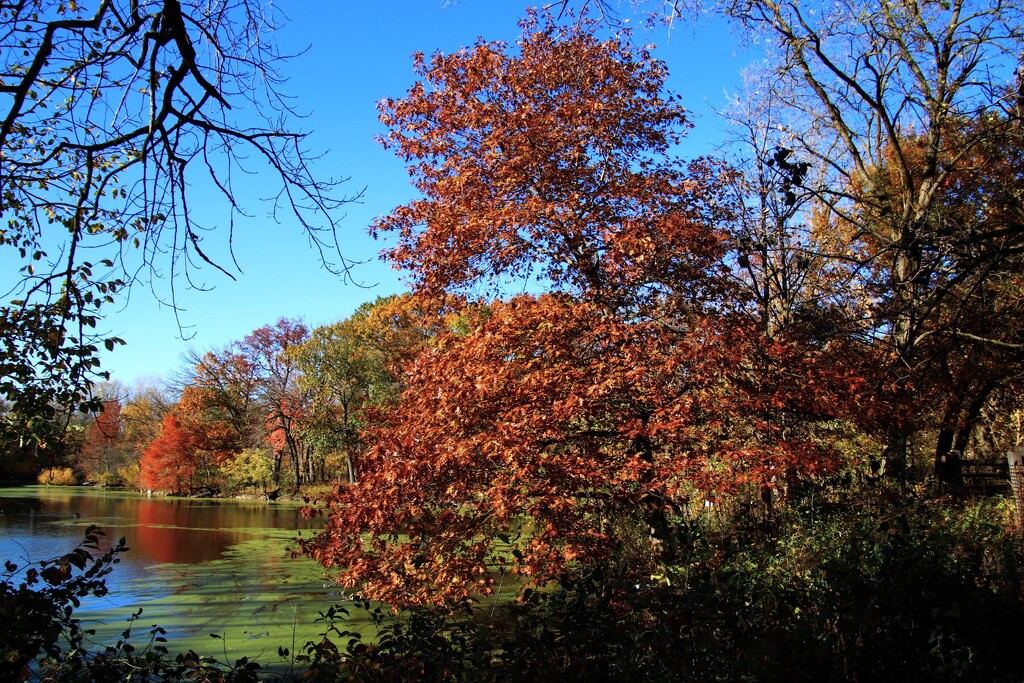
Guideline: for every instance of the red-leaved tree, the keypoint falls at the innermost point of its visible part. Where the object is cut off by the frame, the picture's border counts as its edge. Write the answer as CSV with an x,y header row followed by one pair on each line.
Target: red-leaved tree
x,y
549,430
169,462
553,429
103,450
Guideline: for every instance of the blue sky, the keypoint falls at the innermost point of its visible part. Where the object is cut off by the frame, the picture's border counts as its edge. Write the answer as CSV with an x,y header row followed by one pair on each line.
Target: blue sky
x,y
359,52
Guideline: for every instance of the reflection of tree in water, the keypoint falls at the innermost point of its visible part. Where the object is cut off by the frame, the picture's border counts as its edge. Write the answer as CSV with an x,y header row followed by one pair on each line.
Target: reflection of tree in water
x,y
158,530
20,506
166,532
195,567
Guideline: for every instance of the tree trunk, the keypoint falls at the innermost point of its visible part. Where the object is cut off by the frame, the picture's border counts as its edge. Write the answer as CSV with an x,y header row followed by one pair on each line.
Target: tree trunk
x,y
296,461
947,433
906,296
276,475
970,420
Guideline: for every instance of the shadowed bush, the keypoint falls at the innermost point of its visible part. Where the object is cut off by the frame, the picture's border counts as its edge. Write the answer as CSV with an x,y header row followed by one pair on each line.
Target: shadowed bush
x,y
872,586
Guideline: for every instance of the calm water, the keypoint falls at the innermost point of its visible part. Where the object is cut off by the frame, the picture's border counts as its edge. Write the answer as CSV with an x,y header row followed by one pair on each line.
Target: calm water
x,y
195,567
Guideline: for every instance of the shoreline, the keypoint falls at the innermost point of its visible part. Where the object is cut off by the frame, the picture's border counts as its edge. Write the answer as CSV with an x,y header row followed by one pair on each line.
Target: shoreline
x,y
275,496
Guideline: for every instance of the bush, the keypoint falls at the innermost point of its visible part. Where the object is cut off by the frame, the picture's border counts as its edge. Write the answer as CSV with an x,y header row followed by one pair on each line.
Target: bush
x,y
108,479
871,585
129,474
36,604
57,476
253,468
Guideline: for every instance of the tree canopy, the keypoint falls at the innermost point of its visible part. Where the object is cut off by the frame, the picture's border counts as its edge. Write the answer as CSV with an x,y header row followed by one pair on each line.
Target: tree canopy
x,y
898,107
112,112
554,426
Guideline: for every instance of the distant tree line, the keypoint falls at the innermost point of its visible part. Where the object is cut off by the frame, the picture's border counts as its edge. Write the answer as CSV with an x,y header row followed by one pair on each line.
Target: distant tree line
x,y
282,407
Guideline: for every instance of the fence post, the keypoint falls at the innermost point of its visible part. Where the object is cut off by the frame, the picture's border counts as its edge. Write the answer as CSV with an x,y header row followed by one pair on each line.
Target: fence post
x,y
1015,460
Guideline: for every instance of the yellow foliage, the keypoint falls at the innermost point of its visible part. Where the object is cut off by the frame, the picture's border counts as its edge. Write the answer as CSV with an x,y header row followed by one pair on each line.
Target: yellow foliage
x,y
57,476
129,474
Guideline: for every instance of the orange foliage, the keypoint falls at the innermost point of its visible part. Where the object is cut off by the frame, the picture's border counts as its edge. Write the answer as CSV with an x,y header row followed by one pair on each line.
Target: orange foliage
x,y
562,416
556,412
213,430
550,163
102,439
169,462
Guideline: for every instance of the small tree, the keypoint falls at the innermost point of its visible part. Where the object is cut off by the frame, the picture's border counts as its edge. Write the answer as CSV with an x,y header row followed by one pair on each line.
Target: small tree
x,y
353,366
252,468
103,450
169,462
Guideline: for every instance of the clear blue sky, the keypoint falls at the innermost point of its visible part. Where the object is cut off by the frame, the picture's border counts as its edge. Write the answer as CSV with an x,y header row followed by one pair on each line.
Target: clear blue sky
x,y
359,52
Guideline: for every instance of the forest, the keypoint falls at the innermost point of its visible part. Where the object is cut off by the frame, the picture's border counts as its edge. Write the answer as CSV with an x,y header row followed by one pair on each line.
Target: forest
x,y
639,416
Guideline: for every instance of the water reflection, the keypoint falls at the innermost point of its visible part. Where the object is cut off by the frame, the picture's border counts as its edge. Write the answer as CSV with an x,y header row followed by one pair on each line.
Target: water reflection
x,y
159,530
195,566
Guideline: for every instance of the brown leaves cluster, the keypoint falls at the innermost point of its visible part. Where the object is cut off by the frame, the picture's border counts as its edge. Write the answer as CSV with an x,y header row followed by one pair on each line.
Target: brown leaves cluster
x,y
549,161
530,437
515,447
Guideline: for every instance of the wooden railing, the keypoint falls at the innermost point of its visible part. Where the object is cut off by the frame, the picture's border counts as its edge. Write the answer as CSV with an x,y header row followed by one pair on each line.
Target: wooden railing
x,y
973,477
985,477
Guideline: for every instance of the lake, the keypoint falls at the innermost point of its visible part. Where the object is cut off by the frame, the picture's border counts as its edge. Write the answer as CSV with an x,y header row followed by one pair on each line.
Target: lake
x,y
195,566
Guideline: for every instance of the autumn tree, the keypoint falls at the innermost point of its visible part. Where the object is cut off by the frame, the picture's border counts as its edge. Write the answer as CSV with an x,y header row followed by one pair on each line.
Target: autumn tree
x,y
218,411
357,364
200,434
782,259
553,432
246,396
103,450
111,112
886,108
283,402
143,413
197,436
253,468
582,181
972,342
57,439
224,388
552,428
916,88
213,435
168,464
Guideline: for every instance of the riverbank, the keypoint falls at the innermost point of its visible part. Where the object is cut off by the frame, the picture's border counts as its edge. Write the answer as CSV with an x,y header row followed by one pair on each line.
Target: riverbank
x,y
303,494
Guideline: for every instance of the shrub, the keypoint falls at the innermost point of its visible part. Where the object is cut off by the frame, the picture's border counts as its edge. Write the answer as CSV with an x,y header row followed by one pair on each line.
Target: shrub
x,y
129,474
108,479
866,584
57,476
36,604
